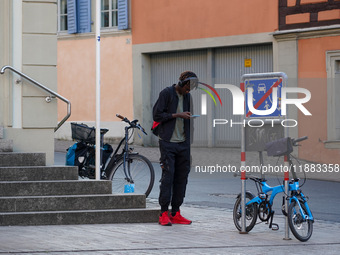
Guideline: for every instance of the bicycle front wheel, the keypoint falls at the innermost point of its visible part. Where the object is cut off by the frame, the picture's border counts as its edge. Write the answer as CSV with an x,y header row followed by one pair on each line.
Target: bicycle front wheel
x,y
142,175
301,228
251,213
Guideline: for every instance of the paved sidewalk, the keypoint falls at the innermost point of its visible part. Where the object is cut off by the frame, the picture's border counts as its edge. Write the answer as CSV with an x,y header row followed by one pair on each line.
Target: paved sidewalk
x,y
212,232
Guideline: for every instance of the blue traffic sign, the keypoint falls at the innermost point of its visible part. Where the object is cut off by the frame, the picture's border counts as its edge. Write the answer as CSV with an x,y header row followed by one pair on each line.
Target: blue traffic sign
x,y
263,96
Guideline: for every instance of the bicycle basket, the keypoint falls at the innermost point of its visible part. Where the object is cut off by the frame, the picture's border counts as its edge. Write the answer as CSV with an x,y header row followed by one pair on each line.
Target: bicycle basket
x,y
279,147
81,132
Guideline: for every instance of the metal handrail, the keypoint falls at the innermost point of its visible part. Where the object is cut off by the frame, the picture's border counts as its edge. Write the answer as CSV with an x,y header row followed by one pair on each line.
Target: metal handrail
x,y
48,99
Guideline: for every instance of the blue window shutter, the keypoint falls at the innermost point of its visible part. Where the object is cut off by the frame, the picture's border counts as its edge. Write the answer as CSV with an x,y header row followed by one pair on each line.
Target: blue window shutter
x,y
84,16
123,17
72,17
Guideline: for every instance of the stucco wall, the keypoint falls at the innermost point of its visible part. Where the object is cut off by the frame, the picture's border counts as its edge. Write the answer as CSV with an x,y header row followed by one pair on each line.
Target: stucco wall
x,y
77,80
313,76
161,21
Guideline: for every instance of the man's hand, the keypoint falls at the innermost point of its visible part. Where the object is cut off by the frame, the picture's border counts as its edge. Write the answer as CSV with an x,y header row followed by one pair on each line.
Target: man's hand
x,y
183,115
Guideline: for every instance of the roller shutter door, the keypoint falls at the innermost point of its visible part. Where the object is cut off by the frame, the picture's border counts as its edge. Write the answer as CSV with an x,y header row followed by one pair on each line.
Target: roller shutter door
x,y
213,66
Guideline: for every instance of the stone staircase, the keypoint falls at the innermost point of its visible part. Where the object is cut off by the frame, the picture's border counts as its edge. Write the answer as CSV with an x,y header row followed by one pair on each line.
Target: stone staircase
x,y
32,193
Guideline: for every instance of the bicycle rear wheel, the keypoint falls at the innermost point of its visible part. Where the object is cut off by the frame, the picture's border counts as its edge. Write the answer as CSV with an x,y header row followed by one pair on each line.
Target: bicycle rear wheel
x,y
302,229
141,171
251,213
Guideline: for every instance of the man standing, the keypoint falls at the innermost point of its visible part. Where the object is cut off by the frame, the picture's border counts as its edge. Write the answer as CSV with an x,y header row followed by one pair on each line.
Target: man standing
x,y
173,111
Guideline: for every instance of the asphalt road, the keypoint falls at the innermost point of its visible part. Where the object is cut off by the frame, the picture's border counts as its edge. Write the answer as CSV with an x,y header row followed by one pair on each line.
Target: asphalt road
x,y
220,190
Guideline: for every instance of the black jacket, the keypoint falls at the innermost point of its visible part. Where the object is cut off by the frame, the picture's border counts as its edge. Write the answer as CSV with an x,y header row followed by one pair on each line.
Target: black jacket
x,y
163,109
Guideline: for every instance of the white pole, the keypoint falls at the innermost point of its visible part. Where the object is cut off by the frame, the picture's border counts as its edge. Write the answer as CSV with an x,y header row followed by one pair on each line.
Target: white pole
x,y
98,25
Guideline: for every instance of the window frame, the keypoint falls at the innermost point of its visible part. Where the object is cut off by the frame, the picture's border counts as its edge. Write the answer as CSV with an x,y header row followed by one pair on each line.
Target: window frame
x,y
123,14
332,57
110,11
60,15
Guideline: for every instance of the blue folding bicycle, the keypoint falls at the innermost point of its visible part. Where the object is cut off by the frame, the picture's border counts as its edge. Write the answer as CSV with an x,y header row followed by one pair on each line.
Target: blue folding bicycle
x,y
300,218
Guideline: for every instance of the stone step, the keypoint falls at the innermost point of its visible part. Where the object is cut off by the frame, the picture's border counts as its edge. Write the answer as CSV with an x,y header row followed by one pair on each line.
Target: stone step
x,y
6,145
54,188
38,173
22,159
80,217
71,203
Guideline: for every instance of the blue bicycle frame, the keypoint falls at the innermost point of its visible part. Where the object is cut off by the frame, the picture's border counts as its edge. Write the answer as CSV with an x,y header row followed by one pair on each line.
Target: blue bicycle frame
x,y
266,188
279,189
295,188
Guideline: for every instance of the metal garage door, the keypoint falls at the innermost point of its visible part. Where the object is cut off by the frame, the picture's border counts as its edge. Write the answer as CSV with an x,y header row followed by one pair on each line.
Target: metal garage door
x,y
212,66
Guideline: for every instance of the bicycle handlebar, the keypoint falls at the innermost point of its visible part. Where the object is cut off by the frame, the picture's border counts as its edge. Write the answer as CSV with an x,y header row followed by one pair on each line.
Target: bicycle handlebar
x,y
119,116
132,124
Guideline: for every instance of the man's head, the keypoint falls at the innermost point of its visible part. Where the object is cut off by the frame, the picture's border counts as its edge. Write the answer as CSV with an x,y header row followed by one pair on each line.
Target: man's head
x,y
187,81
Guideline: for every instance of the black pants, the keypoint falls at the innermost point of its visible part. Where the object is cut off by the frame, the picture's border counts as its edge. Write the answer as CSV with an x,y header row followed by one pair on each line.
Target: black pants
x,y
175,160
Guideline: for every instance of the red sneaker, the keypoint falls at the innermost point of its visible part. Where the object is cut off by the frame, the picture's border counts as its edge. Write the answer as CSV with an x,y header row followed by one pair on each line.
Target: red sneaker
x,y
164,219
179,219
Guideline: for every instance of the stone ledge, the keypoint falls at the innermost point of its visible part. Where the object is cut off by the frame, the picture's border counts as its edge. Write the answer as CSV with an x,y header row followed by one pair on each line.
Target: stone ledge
x,y
80,217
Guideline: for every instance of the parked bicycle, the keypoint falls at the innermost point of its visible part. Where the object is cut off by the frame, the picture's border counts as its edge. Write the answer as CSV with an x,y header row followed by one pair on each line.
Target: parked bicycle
x,y
128,170
300,218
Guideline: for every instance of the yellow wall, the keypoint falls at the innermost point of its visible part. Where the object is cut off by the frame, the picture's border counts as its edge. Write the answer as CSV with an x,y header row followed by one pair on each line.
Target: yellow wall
x,y
77,74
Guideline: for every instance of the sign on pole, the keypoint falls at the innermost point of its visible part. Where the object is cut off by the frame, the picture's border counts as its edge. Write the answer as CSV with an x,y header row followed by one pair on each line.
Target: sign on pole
x,y
262,96
262,93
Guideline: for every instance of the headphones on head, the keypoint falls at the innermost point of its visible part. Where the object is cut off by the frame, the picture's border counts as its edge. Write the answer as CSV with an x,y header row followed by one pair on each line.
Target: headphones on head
x,y
182,83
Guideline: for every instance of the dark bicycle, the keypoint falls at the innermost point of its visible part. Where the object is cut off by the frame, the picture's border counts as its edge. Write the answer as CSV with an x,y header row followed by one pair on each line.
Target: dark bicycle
x,y
128,170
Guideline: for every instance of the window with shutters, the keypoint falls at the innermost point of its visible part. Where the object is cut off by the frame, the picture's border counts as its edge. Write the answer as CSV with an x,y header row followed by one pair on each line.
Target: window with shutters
x,y
74,16
114,14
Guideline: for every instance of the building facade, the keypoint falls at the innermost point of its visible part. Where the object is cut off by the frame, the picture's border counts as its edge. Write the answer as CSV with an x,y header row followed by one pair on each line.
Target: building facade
x,y
77,64
28,43
220,41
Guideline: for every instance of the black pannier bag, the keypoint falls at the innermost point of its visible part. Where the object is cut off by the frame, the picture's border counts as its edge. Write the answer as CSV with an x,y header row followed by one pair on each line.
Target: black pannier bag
x,y
279,147
76,151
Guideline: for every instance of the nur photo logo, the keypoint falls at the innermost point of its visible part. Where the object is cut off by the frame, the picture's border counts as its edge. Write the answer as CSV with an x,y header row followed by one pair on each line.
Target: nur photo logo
x,y
258,98
239,101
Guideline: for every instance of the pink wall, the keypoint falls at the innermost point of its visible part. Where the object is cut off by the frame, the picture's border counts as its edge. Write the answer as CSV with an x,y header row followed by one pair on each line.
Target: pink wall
x,y
76,77
160,21
313,76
